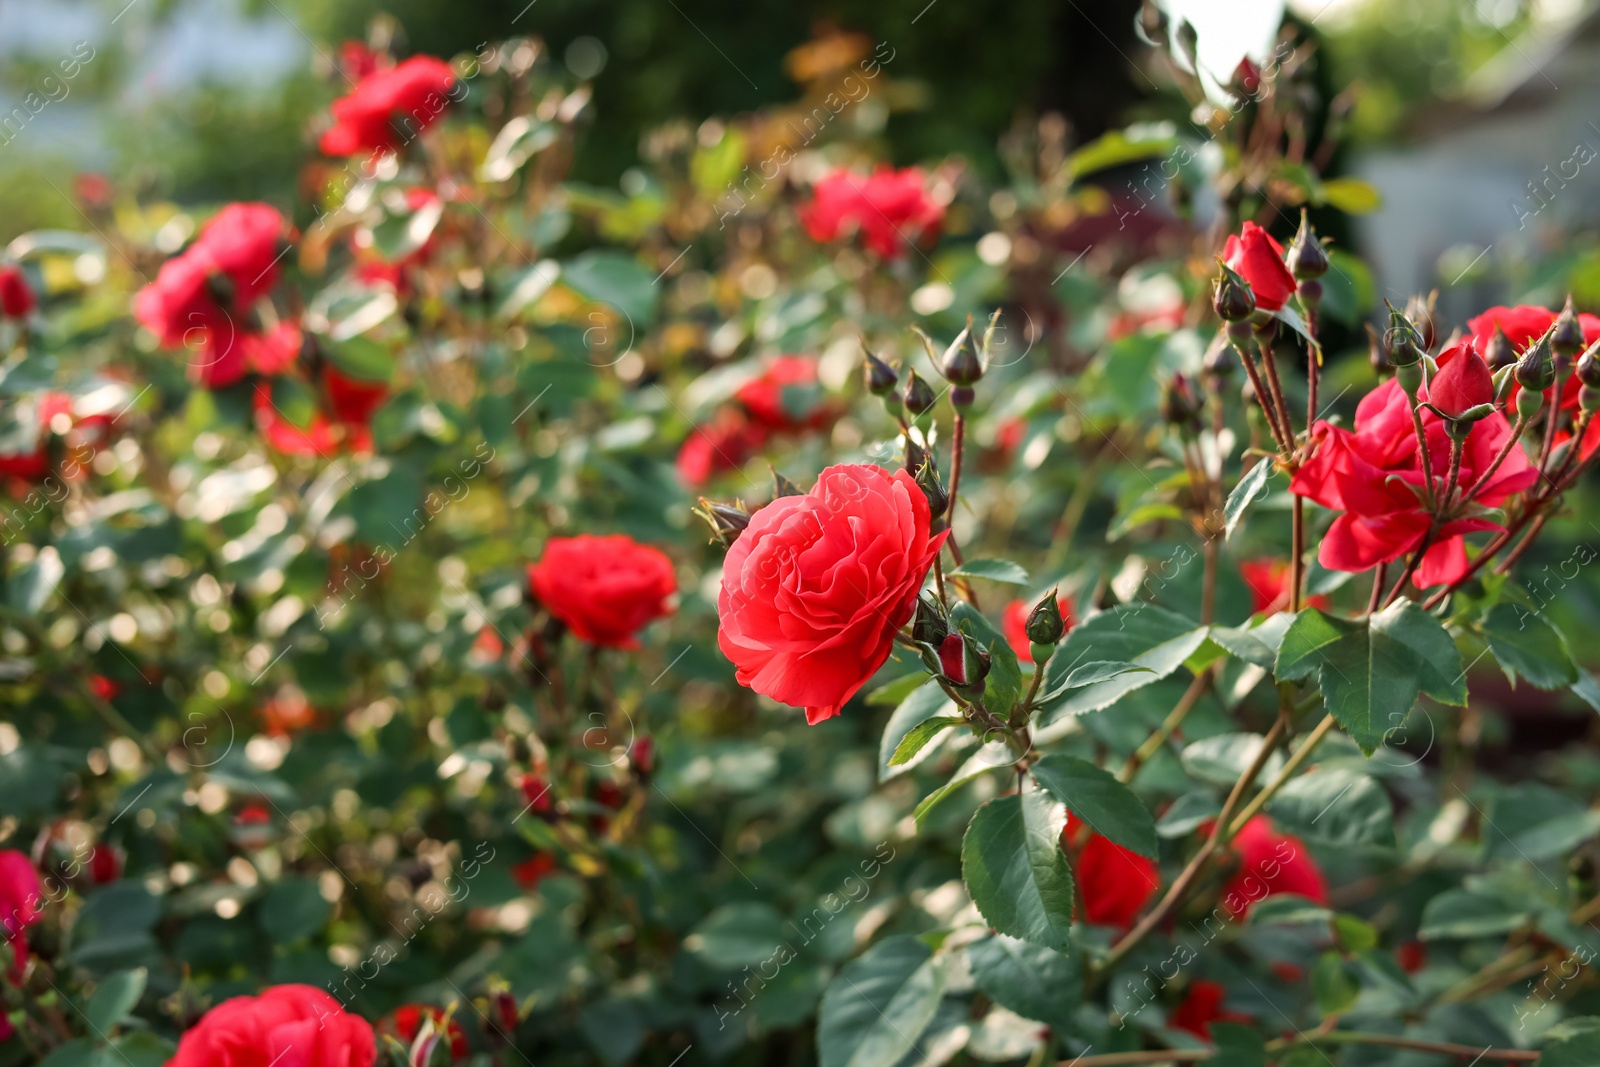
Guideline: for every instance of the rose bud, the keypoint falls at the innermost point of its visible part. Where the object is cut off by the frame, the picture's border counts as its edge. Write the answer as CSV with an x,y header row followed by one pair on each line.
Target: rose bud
x,y
727,522
1044,628
1589,377
917,395
1259,260
1378,353
1566,339
933,489
1220,361
1420,310
642,756
1308,260
1536,369
960,364
1404,340
963,661
782,487
1246,78
1180,406
1500,353
16,296
879,376
1462,389
503,1013
929,625
1231,297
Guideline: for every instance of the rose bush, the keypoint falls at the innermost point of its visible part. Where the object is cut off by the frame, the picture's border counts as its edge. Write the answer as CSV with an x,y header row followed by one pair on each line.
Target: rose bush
x,y
411,587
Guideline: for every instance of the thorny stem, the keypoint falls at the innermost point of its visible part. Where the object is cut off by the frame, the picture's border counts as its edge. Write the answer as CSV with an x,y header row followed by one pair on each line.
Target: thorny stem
x,y
1294,763
1297,557
1264,346
1422,447
1379,574
1262,397
1505,450
957,447
1456,448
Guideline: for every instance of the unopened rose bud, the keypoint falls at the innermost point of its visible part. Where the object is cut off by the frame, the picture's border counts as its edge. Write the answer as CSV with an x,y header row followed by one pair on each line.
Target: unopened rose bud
x,y
1180,406
917,395
1378,353
1589,368
1566,340
1403,340
782,487
932,488
1500,353
1220,361
1536,369
502,1014
960,364
1307,259
1529,401
421,1053
1463,388
1588,399
963,661
1231,297
1045,624
727,521
880,378
928,625
1420,311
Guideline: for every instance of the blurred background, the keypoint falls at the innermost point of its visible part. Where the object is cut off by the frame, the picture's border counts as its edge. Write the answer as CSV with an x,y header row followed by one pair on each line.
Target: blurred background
x,y
1474,120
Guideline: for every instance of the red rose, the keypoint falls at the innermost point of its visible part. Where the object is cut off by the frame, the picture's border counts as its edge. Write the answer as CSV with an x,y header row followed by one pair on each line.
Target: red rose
x,y
317,438
1259,259
296,1024
890,209
536,791
1463,381
16,296
21,894
105,865
1369,475
388,108
786,396
725,443
1014,624
357,61
238,255
1268,580
1202,1006
605,588
1115,882
816,586
1522,326
1270,862
530,872
352,401
405,1022
1411,956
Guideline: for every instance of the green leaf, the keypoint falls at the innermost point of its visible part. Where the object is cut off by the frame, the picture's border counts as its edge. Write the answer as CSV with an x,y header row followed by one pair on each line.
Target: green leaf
x,y
928,701
1256,642
1140,634
1015,870
1114,149
31,585
979,763
80,1052
1587,689
1528,646
1089,674
1035,982
1287,909
361,358
1332,986
616,279
1371,671
1239,1046
294,400
1338,805
1575,1042
293,908
1355,935
737,935
890,694
879,1005
1223,758
1353,196
994,570
1252,485
1533,822
919,735
1187,813
113,999
1003,685
1461,913
1110,808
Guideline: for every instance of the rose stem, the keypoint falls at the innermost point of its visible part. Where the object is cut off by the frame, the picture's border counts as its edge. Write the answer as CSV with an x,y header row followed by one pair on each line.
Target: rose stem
x,y
957,447
1456,448
1505,450
1174,719
1262,397
1264,343
1292,764
1297,558
1379,573
1217,840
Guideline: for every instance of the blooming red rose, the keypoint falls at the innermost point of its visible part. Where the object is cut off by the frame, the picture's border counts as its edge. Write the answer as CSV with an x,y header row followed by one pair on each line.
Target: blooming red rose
x,y
725,443
201,299
890,209
606,589
16,296
1270,862
1463,381
1268,580
1522,326
21,897
1202,1006
405,1023
387,108
286,1024
1116,883
1014,624
816,586
786,397
1371,475
1258,257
